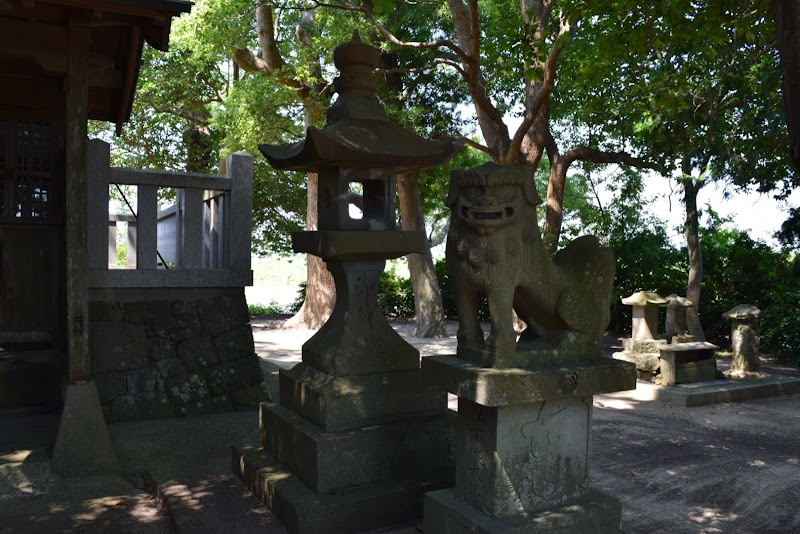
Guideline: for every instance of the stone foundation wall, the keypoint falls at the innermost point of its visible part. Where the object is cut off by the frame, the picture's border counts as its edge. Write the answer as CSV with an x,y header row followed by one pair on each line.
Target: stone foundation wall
x,y
165,358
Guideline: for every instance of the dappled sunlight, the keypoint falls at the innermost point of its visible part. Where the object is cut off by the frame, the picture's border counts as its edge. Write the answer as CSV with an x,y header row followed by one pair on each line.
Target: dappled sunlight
x,y
793,461
615,404
711,519
757,463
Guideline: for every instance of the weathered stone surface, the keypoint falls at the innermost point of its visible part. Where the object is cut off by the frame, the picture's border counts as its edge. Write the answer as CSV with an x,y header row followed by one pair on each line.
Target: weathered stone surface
x,y
105,311
141,380
332,461
83,446
341,403
183,391
135,312
505,387
644,322
177,321
161,348
170,368
494,249
643,345
356,339
675,321
688,362
109,386
235,344
746,345
593,513
197,354
518,459
232,376
141,406
221,314
646,362
117,347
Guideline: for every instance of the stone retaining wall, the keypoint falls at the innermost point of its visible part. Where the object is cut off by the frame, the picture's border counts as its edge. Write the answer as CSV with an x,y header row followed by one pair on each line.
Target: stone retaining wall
x,y
165,358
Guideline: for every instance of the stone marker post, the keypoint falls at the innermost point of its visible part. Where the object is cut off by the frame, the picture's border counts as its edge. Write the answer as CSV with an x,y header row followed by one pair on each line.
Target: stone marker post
x,y
357,436
524,407
744,340
675,324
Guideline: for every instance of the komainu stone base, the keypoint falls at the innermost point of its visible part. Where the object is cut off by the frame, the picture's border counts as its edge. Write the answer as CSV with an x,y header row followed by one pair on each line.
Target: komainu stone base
x,y
595,512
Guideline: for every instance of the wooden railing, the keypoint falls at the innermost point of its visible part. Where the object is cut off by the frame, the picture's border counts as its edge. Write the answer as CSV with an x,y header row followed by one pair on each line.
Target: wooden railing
x,y
202,240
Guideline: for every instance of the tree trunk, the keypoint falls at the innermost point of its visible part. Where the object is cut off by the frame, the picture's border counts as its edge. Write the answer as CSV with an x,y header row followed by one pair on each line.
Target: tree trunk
x,y
691,228
554,215
320,289
787,24
427,296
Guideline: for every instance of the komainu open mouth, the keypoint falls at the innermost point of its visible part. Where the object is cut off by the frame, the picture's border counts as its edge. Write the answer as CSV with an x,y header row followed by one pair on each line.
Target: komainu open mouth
x,y
486,216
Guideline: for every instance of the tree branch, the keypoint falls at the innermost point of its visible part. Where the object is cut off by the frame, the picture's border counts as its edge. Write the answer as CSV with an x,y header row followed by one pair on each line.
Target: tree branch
x,y
548,83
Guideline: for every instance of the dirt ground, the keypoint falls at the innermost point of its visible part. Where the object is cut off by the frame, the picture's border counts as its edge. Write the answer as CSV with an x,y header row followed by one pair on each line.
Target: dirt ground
x,y
723,468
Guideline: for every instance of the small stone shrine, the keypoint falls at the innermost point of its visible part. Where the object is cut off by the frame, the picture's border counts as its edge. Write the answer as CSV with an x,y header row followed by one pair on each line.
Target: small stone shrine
x,y
524,407
643,347
673,358
357,437
744,341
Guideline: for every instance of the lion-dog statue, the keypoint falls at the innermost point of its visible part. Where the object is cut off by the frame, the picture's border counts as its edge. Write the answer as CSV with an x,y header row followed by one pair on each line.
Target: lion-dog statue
x,y
494,249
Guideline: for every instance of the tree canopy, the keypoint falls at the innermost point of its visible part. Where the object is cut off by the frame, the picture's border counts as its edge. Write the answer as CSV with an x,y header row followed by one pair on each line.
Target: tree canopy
x,y
686,89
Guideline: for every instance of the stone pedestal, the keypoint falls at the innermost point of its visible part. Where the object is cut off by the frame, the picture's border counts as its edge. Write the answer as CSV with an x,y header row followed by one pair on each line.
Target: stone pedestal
x,y
644,353
522,447
355,417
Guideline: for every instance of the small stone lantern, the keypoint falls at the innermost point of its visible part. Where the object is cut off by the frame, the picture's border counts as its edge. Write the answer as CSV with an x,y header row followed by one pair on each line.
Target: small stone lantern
x,y
744,340
675,324
645,314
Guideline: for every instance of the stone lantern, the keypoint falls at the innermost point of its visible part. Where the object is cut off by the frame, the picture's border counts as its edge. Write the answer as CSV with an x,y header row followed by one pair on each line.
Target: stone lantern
x,y
675,324
645,314
355,423
744,340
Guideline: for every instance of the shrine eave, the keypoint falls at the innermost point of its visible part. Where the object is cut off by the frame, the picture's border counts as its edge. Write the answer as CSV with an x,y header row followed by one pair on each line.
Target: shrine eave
x,y
359,144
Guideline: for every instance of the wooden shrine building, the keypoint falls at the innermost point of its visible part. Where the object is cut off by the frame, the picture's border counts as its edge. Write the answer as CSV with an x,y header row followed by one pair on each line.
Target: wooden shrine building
x,y
127,342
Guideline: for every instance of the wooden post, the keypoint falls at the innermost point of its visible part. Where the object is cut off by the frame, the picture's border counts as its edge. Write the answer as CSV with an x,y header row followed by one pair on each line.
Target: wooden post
x,y
76,166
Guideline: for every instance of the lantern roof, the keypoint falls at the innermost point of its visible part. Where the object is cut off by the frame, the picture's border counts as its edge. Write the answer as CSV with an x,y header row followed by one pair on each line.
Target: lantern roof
x,y
358,133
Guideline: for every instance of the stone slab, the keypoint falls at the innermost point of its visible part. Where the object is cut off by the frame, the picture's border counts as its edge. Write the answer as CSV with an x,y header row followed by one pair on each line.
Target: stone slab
x,y
646,362
303,511
505,387
593,513
643,345
83,446
699,371
355,245
698,394
333,461
343,403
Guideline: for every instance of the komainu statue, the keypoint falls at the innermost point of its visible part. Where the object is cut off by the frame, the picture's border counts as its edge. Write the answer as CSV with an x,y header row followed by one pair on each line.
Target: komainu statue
x,y
494,249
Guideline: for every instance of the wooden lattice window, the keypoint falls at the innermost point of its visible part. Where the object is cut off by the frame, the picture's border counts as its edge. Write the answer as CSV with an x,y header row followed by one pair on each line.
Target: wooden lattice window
x,y
27,169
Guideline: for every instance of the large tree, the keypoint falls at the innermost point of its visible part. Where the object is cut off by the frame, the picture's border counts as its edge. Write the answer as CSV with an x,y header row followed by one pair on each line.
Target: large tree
x,y
694,84
507,54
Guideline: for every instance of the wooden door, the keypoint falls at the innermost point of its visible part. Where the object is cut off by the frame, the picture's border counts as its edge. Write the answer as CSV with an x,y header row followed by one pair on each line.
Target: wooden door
x,y
31,232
